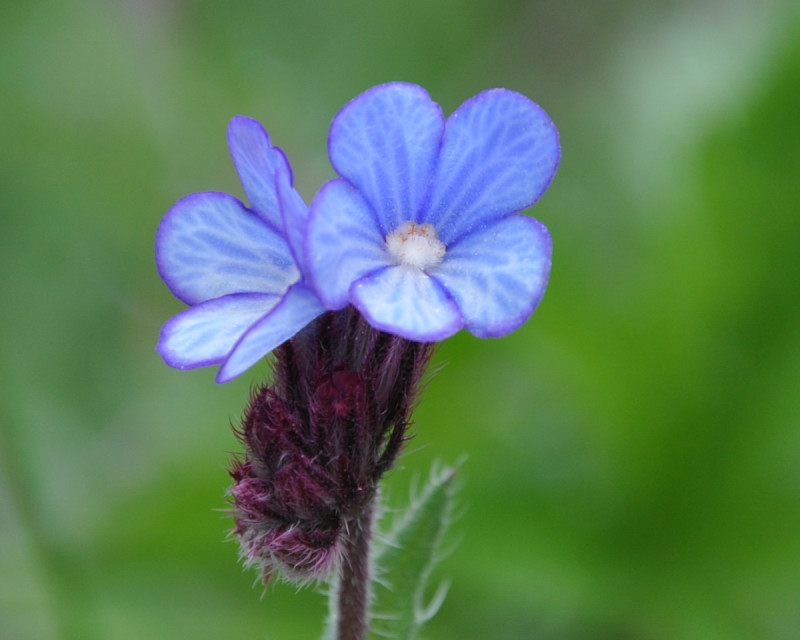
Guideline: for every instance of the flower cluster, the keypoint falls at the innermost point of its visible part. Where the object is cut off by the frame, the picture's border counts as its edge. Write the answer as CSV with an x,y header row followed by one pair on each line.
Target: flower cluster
x,y
421,233
318,439
419,237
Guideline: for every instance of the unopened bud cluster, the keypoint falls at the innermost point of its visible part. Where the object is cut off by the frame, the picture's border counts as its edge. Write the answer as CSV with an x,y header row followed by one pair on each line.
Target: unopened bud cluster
x,y
317,440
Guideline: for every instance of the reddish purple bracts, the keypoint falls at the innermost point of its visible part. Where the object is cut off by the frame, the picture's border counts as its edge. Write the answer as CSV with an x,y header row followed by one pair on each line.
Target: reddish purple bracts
x,y
317,440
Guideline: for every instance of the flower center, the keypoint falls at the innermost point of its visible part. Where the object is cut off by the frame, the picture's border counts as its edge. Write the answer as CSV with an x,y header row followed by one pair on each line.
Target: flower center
x,y
415,245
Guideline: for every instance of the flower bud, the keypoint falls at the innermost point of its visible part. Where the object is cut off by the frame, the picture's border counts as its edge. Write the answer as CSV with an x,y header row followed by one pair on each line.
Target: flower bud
x,y
317,440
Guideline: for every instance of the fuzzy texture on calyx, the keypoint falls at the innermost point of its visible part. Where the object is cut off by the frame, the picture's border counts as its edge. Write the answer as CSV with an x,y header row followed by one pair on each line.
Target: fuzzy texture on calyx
x,y
317,440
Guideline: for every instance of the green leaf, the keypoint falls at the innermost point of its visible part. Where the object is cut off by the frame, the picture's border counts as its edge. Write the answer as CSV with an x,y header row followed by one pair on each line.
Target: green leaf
x,y
404,562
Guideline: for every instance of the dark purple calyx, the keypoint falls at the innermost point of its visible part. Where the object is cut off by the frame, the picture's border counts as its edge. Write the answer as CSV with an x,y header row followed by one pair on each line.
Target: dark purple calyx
x,y
318,438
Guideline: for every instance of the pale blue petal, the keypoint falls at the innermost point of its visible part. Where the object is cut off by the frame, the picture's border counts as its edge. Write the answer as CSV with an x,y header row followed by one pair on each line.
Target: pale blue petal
x,y
498,275
209,245
386,142
256,162
343,243
205,334
297,308
499,154
405,301
294,214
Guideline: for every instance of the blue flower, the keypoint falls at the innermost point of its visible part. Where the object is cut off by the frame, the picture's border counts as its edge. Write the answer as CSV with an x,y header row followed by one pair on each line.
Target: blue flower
x,y
239,268
421,232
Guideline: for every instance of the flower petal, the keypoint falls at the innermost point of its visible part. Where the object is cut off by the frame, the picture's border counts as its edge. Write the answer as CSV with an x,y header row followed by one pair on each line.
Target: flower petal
x,y
208,245
294,215
344,242
385,142
205,334
297,308
498,275
405,301
500,151
256,163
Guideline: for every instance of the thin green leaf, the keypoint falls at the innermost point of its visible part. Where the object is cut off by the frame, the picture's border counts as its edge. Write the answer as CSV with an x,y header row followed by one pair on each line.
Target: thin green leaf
x,y
404,563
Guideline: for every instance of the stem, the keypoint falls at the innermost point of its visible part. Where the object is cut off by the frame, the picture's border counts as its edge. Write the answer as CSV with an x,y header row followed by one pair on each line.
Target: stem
x,y
355,577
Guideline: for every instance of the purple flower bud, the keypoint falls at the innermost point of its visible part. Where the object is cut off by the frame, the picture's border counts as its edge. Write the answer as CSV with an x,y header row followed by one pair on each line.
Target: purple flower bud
x,y
317,440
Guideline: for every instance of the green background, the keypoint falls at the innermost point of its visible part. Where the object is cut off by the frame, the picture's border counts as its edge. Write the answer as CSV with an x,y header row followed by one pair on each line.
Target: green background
x,y
633,452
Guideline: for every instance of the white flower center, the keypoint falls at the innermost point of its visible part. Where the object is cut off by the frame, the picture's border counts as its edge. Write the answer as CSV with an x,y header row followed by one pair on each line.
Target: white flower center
x,y
415,245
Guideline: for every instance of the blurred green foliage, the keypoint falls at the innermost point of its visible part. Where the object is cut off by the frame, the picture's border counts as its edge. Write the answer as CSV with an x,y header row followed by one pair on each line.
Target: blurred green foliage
x,y
634,450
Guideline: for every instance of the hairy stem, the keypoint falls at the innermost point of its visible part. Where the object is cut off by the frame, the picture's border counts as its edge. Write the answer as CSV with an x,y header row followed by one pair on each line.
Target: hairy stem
x,y
355,577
